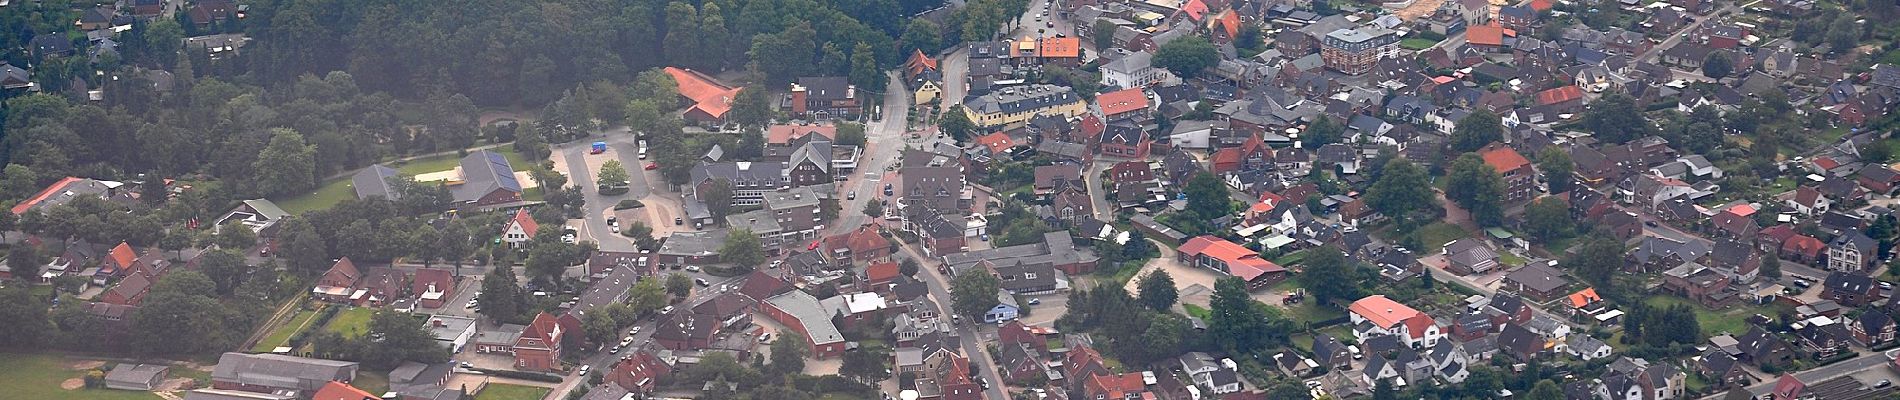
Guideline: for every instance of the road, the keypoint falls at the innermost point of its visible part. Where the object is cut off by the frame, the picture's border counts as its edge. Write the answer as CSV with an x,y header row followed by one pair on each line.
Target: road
x,y
602,361
883,142
1675,38
1859,363
971,338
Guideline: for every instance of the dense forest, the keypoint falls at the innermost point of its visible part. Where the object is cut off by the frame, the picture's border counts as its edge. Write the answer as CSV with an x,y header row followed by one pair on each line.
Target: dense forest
x,y
326,86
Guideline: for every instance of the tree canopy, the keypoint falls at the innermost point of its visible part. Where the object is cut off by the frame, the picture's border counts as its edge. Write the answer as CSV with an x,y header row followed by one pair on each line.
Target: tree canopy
x,y
1187,56
1478,188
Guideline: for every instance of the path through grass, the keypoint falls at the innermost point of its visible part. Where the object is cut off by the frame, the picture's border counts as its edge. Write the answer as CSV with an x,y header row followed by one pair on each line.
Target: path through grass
x,y
281,335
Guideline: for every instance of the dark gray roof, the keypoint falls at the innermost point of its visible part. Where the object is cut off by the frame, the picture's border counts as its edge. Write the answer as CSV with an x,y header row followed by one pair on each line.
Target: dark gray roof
x,y
482,173
825,88
1023,99
281,371
374,182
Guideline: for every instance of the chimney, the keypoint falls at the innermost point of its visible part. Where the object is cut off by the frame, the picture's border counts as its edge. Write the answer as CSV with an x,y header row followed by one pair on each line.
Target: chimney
x,y
798,99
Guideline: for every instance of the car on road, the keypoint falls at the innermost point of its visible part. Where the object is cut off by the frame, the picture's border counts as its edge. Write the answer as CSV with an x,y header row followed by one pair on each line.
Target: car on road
x,y
678,221
853,195
652,166
1052,24
701,282
1035,301
692,268
666,310
1883,383
585,368
635,331
765,337
775,264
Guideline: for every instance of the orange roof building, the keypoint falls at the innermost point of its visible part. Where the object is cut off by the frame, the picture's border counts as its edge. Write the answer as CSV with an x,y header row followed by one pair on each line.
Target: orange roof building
x,y
1227,22
997,142
1054,47
1123,102
711,99
1232,259
1559,95
1584,297
1381,311
1519,178
1195,10
1488,35
342,391
1377,315
1503,158
785,134
919,64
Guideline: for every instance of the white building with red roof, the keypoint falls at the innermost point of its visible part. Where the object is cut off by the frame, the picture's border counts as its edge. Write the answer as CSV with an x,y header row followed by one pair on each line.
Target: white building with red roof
x,y
1377,315
520,229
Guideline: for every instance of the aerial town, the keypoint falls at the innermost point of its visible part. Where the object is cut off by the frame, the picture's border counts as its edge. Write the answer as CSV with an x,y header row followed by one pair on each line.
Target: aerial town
x,y
952,200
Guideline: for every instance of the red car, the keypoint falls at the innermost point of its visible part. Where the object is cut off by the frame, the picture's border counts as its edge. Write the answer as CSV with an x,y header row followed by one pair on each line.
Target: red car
x,y
653,166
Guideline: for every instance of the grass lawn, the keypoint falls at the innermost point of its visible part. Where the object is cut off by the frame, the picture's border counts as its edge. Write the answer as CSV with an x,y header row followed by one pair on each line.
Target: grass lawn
x,y
372,381
337,190
1197,311
1511,259
351,322
1416,43
281,335
503,391
1732,320
1437,234
1341,332
1311,311
34,376
1291,258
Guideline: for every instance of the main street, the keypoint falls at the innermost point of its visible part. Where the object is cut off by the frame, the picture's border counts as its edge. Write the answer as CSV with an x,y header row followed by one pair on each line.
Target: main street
x,y
971,338
883,143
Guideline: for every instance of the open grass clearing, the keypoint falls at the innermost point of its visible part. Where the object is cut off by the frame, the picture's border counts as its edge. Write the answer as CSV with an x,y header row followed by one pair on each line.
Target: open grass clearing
x,y
281,335
351,322
503,391
38,376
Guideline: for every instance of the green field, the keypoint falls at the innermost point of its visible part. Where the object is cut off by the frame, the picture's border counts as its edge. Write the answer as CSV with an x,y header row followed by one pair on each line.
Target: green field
x,y
281,335
503,391
32,376
351,322
1437,234
337,190
1732,320
1416,44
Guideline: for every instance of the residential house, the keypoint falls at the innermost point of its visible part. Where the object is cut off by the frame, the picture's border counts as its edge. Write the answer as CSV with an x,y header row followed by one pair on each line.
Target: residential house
x,y
1377,315
864,244
520,229
822,97
1538,281
539,346
1872,329
804,314
639,372
1013,106
1520,343
1470,256
1723,371
1822,337
374,182
1852,251
1758,347
338,282
1850,289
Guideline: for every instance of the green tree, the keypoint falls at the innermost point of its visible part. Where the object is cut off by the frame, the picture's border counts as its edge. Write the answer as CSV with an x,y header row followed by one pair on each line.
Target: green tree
x,y
1323,131
1187,56
17,182
866,365
1402,189
718,197
1329,276
1235,324
1614,118
678,285
286,166
921,35
613,174
908,267
1208,197
1559,171
1157,290
26,317
1596,260
25,261
1104,32
180,317
501,297
646,296
742,248
1844,33
850,133
1717,65
600,328
956,123
864,72
683,45
752,107
973,294
1548,219
235,236
394,338
874,208
1478,188
1476,130
1545,390
226,268
788,353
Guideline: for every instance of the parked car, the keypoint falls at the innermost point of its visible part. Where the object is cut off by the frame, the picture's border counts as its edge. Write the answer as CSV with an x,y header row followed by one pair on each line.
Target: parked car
x,y
652,166
765,337
692,268
701,282
585,368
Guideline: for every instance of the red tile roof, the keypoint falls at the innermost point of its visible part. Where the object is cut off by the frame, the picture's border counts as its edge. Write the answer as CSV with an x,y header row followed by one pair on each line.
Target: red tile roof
x,y
1806,195
1540,5
545,328
997,142
441,278
1195,10
1559,95
1060,47
342,391
1488,35
1241,262
1117,386
526,221
1788,387
1381,311
49,191
1502,158
1584,297
785,134
122,256
1416,325
1804,245
708,94
1229,21
881,272
1122,101
918,63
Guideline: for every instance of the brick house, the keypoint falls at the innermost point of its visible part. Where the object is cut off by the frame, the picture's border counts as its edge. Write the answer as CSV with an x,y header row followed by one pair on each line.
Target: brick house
x,y
539,347
1520,180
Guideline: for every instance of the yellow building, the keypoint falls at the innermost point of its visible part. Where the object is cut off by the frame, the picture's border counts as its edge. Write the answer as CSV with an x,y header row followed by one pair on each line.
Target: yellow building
x,y
927,91
1010,106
